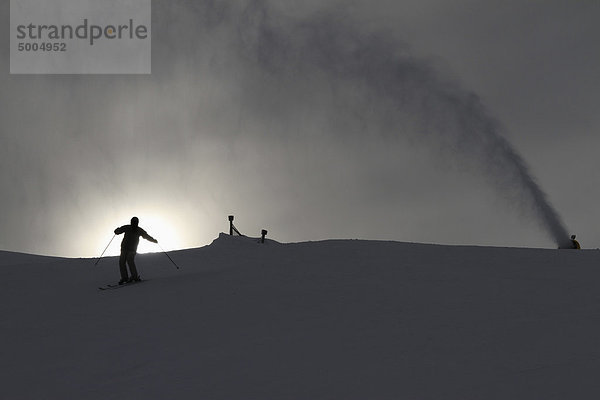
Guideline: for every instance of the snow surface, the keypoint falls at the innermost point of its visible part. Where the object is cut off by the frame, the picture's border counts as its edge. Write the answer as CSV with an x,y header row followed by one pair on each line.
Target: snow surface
x,y
339,319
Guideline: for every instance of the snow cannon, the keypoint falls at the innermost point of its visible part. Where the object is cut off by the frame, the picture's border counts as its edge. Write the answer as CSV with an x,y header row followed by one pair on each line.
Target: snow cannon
x,y
232,227
263,233
231,224
570,244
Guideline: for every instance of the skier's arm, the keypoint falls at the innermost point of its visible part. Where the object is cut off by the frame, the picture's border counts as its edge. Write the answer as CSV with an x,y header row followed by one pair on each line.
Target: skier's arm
x,y
120,230
148,237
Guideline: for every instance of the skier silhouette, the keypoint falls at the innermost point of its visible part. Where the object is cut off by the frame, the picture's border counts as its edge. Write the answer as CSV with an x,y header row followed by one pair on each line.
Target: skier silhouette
x,y
129,249
575,243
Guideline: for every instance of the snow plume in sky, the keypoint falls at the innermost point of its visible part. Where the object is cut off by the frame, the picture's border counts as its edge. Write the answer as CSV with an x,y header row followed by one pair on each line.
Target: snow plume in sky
x,y
374,81
292,119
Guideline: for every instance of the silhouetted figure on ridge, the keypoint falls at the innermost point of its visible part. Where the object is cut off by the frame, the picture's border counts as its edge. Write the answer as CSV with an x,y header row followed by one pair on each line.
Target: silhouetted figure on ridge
x,y
575,243
129,249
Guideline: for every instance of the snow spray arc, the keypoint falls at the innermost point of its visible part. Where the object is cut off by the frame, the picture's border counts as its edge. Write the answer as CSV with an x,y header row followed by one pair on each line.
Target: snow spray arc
x,y
399,87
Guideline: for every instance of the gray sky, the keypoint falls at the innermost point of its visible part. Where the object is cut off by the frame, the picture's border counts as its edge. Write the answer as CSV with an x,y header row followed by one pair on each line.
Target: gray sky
x,y
349,119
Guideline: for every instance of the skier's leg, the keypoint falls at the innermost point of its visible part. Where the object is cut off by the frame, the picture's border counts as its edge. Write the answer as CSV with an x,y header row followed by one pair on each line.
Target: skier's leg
x,y
131,262
123,266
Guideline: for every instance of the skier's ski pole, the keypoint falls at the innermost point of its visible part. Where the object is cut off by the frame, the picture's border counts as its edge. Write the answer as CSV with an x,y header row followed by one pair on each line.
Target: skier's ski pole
x,y
167,254
99,258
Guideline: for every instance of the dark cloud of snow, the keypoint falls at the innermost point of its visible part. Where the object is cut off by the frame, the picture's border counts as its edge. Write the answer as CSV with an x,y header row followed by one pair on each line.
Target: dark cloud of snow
x,y
376,81
301,120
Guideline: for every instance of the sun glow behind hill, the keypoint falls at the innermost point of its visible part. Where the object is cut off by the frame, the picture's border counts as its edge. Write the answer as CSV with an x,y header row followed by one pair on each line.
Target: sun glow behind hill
x,y
162,231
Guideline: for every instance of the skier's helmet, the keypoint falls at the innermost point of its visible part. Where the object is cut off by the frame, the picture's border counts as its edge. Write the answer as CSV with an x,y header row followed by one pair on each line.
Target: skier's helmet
x,y
135,221
572,237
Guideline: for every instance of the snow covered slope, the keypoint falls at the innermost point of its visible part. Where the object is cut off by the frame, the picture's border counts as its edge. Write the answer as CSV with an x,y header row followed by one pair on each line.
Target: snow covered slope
x,y
319,320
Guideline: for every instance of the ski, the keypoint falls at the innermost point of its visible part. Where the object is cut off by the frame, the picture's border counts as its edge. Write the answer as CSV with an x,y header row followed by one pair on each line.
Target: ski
x,y
112,286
